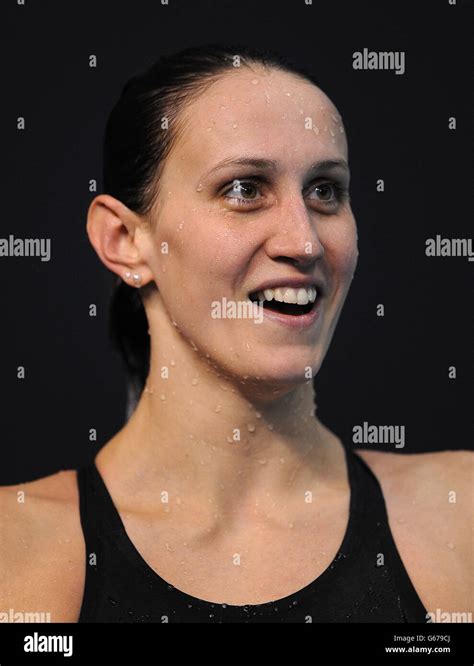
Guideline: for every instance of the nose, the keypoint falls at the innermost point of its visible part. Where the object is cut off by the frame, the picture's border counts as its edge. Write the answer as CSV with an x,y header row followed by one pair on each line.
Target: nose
x,y
294,238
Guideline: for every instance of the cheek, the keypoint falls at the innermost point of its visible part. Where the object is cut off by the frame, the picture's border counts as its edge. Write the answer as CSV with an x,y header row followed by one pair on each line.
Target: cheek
x,y
341,251
205,255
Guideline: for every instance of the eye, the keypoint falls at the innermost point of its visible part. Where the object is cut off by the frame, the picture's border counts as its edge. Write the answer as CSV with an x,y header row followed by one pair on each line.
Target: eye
x,y
242,192
327,192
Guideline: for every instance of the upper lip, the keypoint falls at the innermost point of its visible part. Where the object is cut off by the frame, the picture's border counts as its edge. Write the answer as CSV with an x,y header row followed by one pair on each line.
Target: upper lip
x,y
294,282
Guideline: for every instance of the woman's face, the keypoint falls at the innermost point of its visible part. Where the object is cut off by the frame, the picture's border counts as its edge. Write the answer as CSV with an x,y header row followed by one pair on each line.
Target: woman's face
x,y
253,197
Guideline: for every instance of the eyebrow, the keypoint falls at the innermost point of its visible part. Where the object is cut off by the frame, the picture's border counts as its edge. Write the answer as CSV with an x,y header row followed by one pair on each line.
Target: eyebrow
x,y
271,165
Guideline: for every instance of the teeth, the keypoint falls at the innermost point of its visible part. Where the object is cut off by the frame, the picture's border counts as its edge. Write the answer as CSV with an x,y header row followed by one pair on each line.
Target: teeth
x,y
278,295
268,294
302,296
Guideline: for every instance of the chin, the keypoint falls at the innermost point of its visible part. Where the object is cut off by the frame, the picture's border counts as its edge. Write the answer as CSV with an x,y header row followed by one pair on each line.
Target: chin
x,y
286,373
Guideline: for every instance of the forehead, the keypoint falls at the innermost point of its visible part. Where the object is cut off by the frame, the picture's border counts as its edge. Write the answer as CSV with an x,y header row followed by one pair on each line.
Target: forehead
x,y
268,113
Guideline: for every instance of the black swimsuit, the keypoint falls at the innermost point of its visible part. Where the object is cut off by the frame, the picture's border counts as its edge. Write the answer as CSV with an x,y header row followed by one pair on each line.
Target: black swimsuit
x,y
365,582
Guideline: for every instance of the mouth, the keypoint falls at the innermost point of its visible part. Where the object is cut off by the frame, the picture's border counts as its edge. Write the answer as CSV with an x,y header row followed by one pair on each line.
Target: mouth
x,y
289,301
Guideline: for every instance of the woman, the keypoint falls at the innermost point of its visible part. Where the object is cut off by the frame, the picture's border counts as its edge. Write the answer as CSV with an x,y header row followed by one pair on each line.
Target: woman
x,y
226,218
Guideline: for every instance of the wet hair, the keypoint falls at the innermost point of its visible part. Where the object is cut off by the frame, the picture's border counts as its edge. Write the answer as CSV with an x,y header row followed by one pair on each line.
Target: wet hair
x,y
140,133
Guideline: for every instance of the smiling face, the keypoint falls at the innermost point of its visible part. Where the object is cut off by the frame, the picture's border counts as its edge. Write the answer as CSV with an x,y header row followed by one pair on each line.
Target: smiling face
x,y
253,196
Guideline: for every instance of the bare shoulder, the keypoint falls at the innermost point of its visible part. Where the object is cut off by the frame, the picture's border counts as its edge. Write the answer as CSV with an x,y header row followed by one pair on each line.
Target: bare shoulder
x,y
41,546
440,481
445,477
429,504
23,503
452,463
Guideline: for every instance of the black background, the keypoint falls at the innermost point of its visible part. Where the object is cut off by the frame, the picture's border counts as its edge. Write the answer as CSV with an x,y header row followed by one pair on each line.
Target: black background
x,y
383,370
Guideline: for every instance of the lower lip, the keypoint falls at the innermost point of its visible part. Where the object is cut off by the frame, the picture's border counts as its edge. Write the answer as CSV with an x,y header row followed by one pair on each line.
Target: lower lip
x,y
295,322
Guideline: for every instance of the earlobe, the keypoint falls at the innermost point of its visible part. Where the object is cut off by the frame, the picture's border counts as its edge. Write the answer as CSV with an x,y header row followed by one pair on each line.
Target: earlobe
x,y
135,278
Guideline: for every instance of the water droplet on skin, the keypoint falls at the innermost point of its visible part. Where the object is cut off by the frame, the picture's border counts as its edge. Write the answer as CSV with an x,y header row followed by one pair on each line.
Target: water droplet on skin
x,y
262,461
250,427
234,125
258,415
200,187
223,108
254,82
163,270
168,547
450,545
229,439
247,346
290,525
335,118
209,129
288,94
195,382
162,397
173,363
332,133
316,129
282,460
270,426
341,130
218,409
181,225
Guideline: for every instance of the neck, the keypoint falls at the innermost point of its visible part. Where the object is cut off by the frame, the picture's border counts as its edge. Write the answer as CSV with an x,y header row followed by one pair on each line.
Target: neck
x,y
196,433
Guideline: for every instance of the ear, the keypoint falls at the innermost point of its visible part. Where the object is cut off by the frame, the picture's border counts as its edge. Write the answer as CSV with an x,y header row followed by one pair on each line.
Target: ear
x,y
111,228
